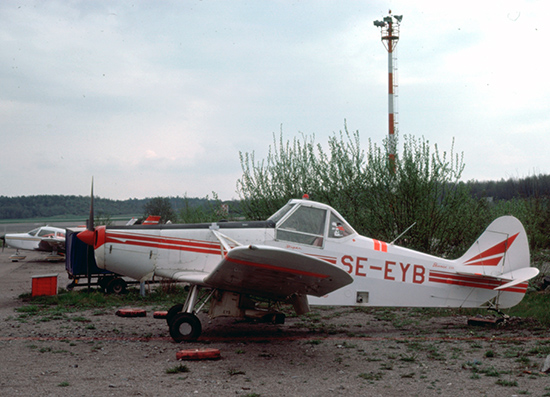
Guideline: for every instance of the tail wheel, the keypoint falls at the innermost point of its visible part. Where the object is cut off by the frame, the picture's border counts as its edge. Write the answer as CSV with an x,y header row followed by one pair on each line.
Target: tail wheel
x,y
172,312
185,327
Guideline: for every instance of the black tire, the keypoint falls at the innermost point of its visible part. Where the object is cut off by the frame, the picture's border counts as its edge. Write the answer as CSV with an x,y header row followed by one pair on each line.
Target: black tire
x,y
172,312
103,282
116,286
279,318
185,327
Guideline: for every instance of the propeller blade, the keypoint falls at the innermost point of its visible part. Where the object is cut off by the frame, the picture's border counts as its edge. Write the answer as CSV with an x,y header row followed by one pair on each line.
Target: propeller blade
x,y
90,223
88,235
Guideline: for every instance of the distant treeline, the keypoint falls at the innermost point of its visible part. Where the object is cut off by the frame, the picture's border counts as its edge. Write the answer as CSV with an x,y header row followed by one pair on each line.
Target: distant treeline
x,y
529,187
45,206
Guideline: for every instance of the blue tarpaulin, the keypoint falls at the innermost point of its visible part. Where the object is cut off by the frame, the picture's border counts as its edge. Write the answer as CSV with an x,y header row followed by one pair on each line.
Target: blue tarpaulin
x,y
79,259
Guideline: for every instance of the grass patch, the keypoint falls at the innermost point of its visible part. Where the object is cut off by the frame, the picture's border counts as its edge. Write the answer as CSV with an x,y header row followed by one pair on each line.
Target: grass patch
x,y
534,305
491,371
371,376
507,383
490,354
386,366
541,350
47,308
408,359
178,369
81,319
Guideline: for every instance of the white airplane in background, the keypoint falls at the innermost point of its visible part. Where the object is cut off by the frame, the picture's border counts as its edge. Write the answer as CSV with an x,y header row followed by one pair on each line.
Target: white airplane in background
x,y
307,253
44,238
50,239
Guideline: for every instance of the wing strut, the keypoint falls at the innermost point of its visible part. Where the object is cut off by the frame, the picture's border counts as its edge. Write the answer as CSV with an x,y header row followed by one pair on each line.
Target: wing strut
x,y
225,241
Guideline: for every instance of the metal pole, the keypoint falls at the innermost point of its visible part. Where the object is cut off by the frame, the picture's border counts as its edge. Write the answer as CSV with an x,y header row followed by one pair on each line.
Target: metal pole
x,y
391,117
390,33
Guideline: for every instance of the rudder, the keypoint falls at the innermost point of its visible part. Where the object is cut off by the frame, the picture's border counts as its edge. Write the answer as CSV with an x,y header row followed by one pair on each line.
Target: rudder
x,y
502,248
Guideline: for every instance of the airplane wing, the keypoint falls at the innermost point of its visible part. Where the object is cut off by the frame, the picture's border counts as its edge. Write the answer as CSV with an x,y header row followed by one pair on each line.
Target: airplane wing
x,y
184,276
275,273
52,244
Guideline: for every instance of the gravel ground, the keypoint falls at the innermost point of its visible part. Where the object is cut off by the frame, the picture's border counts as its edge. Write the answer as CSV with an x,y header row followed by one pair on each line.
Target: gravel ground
x,y
332,351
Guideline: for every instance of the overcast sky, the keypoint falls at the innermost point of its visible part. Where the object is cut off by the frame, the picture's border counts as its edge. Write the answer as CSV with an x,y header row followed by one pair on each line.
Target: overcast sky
x,y
157,98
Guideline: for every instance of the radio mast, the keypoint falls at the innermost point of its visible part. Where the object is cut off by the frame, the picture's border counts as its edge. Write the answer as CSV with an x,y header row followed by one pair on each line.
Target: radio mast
x,y
389,28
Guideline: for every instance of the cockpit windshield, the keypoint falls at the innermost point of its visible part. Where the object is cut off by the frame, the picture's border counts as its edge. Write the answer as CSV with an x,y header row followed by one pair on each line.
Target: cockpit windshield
x,y
34,231
46,232
276,217
306,225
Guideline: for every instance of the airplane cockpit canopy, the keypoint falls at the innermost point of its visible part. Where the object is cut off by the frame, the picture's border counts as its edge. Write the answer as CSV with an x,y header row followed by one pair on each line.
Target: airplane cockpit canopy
x,y
45,231
34,231
310,223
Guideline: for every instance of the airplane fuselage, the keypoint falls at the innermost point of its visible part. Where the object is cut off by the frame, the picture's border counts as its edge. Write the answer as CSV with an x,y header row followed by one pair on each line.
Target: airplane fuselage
x,y
383,274
36,239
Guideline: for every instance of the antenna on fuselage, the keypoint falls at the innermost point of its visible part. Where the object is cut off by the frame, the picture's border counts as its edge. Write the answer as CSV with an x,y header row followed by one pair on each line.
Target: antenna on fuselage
x,y
406,230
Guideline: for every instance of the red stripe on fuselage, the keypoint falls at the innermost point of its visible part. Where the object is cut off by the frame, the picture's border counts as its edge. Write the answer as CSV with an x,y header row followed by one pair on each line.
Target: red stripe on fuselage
x,y
150,241
189,245
474,281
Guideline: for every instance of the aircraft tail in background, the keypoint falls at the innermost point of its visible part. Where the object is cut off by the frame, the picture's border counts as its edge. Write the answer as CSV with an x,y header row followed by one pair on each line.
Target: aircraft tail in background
x,y
499,259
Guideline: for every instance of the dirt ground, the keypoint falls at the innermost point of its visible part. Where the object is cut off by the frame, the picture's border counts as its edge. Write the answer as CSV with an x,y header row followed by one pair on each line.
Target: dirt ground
x,y
331,351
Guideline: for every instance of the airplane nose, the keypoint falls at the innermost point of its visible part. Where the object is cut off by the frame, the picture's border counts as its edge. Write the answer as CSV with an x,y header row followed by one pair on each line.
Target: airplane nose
x,y
96,238
87,236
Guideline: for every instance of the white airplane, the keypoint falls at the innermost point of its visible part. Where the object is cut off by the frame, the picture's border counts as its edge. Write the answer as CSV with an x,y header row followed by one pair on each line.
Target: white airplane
x,y
307,253
44,238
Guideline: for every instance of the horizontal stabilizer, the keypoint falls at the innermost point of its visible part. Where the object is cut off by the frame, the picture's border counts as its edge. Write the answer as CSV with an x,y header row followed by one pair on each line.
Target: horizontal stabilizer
x,y
518,276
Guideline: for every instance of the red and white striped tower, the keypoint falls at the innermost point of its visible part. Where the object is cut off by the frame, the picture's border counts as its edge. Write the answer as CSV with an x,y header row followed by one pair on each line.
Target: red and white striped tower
x,y
389,27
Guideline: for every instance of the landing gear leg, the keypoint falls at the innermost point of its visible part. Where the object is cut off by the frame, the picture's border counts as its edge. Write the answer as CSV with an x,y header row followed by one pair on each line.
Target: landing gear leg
x,y
183,324
17,256
503,316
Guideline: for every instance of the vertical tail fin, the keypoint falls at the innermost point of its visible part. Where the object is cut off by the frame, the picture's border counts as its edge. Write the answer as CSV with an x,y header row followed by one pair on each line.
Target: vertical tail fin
x,y
501,252
499,260
152,220
495,271
501,249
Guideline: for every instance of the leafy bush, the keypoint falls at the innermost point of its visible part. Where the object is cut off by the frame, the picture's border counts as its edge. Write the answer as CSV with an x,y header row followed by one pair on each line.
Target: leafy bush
x,y
380,199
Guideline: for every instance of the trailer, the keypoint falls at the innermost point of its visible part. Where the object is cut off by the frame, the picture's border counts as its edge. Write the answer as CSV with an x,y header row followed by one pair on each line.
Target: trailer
x,y
82,268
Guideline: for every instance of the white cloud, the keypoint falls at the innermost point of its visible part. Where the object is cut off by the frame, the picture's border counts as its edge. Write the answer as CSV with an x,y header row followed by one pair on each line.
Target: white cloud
x,y
168,93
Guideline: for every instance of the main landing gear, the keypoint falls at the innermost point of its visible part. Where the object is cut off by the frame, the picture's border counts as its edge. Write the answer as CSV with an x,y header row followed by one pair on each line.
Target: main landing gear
x,y
17,256
185,326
